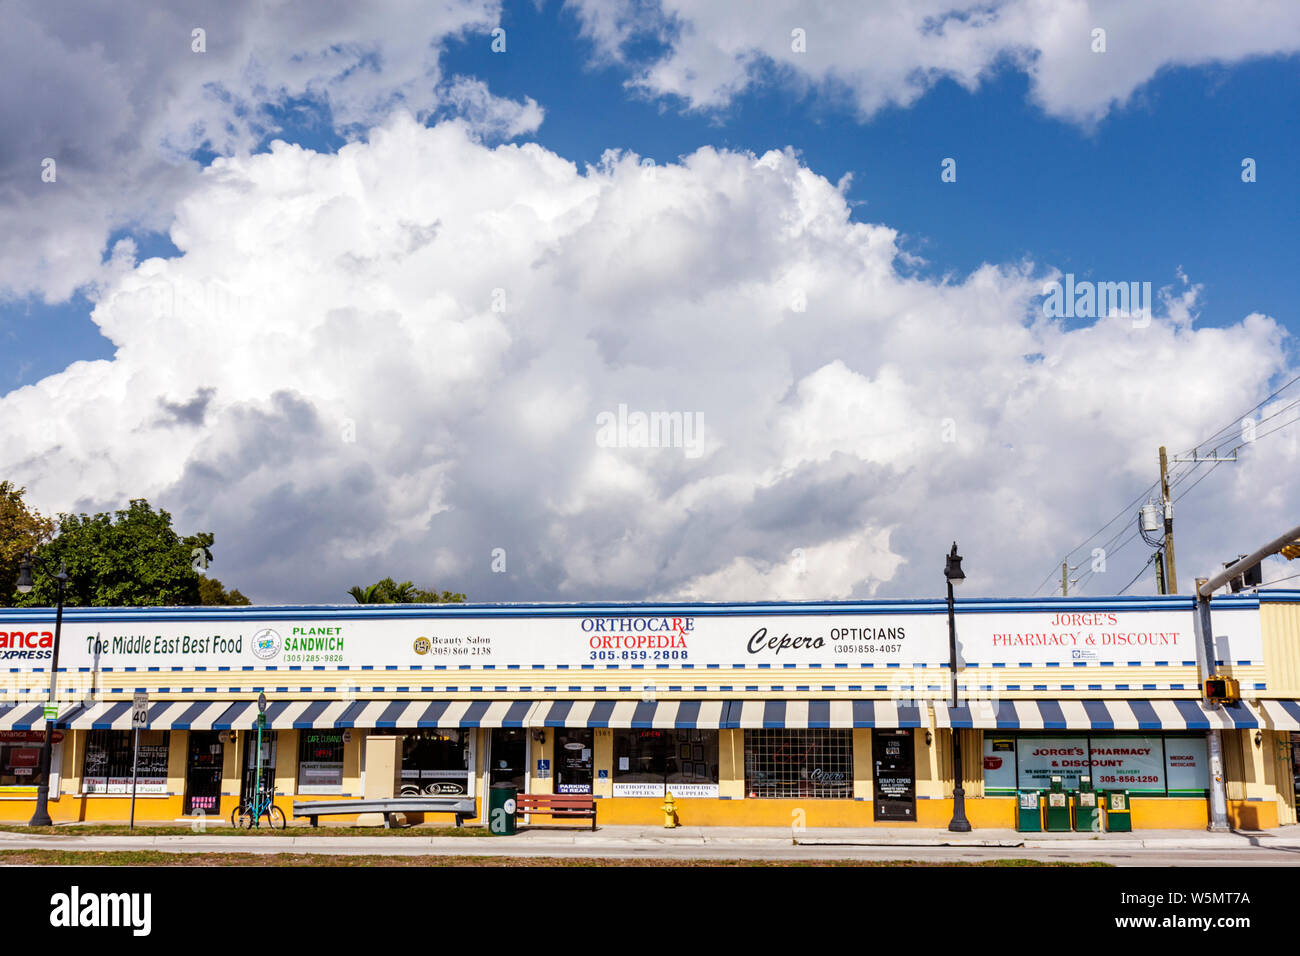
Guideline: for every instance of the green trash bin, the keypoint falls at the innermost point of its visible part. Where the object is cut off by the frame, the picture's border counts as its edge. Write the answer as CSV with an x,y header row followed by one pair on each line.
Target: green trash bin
x,y
1029,811
1087,808
1118,815
501,809
1058,808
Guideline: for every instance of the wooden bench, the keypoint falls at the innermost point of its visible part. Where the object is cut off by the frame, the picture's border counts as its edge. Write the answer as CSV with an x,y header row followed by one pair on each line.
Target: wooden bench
x,y
462,807
558,805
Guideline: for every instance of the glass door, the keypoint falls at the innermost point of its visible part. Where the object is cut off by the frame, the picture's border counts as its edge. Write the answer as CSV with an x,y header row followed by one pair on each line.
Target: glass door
x,y
250,763
573,747
894,782
508,760
203,772
1295,765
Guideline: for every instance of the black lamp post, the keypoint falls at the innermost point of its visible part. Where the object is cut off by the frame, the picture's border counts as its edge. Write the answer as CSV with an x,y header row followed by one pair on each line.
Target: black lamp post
x,y
41,818
954,574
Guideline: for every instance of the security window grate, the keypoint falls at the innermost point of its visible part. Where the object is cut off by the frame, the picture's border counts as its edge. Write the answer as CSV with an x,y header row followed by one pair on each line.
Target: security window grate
x,y
816,763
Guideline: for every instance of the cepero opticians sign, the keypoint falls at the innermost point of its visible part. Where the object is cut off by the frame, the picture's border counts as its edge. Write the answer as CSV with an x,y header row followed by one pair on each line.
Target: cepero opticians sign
x,y
754,637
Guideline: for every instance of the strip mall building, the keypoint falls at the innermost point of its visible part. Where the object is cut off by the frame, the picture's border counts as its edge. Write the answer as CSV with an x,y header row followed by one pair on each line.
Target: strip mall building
x,y
832,714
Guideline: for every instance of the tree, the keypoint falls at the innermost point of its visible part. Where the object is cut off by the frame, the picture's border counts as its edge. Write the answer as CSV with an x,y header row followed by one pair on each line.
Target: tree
x,y
211,592
389,591
21,530
130,558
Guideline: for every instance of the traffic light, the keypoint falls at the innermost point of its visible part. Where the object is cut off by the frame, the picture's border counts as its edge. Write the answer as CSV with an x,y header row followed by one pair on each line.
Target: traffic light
x,y
1291,551
1250,578
1222,690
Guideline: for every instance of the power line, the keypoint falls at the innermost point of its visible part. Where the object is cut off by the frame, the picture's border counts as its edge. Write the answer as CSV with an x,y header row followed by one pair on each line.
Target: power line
x,y
1123,511
1199,480
1237,422
1141,571
1178,477
1214,450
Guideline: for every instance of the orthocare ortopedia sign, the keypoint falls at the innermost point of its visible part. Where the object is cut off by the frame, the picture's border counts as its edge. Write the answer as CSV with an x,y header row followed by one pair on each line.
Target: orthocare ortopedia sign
x,y
638,639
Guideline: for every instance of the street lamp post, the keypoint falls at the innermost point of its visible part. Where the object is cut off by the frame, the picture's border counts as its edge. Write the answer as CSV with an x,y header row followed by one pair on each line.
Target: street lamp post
x,y
41,818
953,572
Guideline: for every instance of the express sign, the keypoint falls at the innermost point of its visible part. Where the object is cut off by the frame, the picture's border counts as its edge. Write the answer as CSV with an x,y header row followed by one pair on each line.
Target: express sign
x,y
26,645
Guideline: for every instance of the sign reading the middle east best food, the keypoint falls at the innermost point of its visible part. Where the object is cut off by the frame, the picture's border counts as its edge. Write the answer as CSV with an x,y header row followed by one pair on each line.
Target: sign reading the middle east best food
x,y
632,639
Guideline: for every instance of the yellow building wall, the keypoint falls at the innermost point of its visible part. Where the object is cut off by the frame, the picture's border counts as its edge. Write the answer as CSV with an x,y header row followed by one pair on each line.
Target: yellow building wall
x,y
731,764
932,761
993,812
602,758
1280,627
352,764
862,768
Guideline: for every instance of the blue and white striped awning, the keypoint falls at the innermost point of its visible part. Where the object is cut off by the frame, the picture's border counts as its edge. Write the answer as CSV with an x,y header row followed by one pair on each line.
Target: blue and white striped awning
x,y
1280,714
630,714
410,714
796,714
1094,715
29,716
300,714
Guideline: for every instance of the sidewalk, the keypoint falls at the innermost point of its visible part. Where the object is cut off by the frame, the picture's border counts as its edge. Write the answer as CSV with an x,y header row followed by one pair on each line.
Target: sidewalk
x,y
749,839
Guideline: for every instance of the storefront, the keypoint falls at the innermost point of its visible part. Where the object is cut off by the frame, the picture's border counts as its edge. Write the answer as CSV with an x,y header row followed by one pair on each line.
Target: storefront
x,y
320,761
437,761
20,759
816,715
1146,765
652,762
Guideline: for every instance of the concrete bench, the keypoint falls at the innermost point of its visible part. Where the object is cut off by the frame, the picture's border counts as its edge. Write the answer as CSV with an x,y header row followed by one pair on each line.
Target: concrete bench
x,y
462,807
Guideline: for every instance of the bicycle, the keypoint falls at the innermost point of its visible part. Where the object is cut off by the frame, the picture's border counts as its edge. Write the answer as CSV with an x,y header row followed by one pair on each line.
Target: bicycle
x,y
262,806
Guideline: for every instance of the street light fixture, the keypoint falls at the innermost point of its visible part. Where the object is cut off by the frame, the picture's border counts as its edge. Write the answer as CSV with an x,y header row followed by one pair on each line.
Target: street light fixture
x,y
953,572
41,818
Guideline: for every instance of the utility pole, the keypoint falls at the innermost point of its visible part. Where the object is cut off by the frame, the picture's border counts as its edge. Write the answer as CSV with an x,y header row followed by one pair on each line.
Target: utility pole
x,y
1160,573
1204,588
1171,574
1065,579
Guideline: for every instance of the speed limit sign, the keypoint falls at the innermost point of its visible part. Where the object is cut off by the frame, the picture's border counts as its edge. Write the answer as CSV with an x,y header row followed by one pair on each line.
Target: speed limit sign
x,y
140,711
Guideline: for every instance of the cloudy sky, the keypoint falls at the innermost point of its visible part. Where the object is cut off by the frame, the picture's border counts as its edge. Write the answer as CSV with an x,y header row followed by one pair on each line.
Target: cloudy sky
x,y
386,289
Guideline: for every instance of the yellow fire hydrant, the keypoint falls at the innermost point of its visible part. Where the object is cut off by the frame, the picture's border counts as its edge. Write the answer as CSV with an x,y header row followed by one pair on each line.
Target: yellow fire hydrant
x,y
669,807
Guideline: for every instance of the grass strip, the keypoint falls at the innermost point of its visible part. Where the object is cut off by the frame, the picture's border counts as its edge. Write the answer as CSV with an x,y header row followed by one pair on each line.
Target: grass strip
x,y
161,858
216,829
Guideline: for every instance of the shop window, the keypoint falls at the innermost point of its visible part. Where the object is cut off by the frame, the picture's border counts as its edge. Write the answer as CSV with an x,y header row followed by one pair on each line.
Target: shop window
x,y
107,768
1148,765
435,762
320,761
649,761
815,763
1187,766
20,758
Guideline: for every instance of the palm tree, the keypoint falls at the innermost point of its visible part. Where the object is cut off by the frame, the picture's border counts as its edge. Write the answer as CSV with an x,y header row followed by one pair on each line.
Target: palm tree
x,y
371,595
403,593
389,591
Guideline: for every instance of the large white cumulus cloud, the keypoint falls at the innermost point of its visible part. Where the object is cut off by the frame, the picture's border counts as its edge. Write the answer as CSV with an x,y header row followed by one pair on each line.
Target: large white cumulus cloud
x,y
889,52
393,360
121,99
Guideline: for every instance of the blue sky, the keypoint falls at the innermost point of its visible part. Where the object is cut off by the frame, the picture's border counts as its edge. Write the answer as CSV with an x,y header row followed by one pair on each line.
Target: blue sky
x,y
822,473
1155,187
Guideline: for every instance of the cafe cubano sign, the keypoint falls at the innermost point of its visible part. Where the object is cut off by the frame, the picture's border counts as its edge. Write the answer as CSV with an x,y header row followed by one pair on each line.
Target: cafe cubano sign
x,y
748,636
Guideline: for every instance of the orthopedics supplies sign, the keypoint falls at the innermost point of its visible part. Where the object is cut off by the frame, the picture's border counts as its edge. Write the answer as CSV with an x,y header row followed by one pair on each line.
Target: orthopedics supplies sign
x,y
598,639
